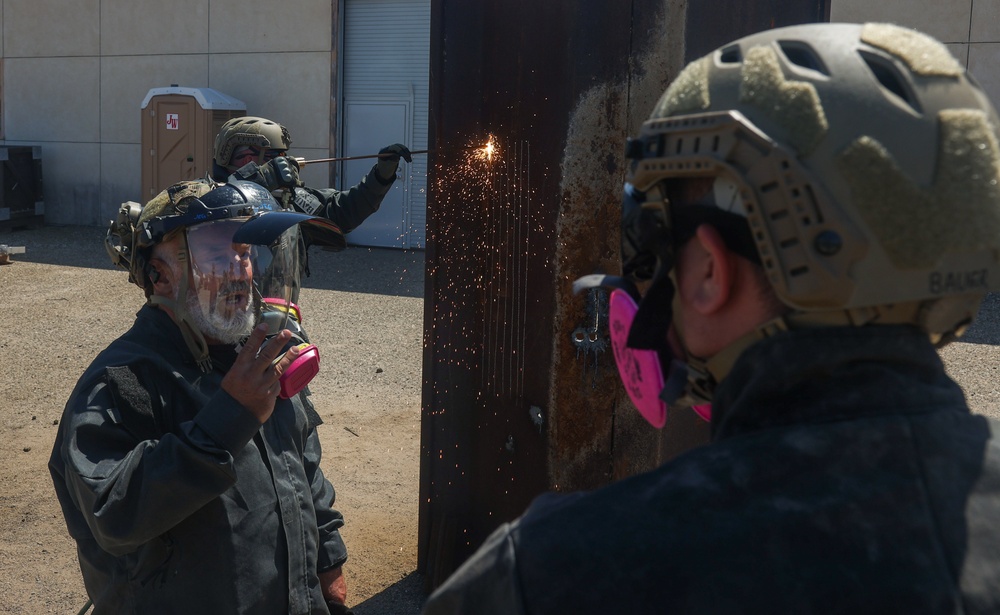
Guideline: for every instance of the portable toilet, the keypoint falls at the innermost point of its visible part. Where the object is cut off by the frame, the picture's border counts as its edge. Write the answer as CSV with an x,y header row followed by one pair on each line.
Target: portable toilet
x,y
178,133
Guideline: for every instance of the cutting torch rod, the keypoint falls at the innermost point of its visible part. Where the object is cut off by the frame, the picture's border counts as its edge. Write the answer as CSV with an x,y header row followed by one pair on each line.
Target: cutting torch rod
x,y
303,162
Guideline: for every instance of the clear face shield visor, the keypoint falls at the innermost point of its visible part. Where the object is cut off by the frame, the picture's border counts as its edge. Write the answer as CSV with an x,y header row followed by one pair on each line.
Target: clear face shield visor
x,y
652,370
232,282
651,361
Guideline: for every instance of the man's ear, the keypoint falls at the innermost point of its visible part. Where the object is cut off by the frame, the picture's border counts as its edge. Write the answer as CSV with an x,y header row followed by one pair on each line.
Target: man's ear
x,y
161,276
716,271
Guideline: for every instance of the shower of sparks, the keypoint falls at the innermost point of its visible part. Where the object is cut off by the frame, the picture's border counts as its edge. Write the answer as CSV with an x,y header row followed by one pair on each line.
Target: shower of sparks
x,y
476,169
478,155
486,231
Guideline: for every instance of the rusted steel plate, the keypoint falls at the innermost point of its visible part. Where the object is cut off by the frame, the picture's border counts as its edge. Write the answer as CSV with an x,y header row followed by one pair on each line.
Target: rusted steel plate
x,y
520,391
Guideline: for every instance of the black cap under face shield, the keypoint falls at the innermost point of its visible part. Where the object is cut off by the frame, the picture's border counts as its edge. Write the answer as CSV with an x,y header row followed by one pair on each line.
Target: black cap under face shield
x,y
233,200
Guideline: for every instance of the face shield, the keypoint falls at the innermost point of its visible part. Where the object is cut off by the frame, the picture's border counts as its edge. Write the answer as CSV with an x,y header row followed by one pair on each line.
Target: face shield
x,y
652,369
639,337
231,279
237,255
285,235
234,284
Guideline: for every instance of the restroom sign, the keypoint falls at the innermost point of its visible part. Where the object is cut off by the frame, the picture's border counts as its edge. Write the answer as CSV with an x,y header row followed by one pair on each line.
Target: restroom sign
x,y
173,121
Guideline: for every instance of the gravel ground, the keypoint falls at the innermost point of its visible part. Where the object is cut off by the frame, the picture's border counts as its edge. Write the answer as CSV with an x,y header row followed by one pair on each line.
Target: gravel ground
x,y
62,302
974,362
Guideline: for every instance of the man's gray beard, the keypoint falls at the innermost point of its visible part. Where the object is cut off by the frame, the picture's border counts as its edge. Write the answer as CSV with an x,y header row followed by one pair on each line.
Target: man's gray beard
x,y
224,330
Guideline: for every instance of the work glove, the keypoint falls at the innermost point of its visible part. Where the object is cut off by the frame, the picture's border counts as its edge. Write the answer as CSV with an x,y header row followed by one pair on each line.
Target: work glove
x,y
278,173
388,161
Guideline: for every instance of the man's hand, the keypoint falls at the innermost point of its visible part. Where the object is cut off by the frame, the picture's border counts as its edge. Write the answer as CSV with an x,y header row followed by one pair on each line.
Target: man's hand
x,y
278,173
388,160
334,587
253,380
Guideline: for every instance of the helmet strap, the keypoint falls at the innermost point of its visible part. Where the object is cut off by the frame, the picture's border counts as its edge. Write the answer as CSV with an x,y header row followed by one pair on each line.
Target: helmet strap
x,y
193,338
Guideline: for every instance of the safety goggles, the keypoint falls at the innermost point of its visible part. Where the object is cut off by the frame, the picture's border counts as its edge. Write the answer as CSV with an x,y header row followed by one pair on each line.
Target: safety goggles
x,y
248,153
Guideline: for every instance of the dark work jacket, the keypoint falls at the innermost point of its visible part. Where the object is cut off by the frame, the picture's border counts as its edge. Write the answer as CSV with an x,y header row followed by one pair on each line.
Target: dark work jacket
x,y
178,499
846,475
345,208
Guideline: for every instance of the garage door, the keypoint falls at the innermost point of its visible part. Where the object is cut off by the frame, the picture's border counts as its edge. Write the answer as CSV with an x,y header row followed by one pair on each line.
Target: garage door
x,y
386,46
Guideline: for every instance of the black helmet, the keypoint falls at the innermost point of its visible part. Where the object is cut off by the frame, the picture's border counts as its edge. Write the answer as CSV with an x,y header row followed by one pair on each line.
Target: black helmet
x,y
137,228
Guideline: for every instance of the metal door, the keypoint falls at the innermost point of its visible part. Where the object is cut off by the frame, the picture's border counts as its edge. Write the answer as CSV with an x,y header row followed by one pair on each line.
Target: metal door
x,y
384,85
370,125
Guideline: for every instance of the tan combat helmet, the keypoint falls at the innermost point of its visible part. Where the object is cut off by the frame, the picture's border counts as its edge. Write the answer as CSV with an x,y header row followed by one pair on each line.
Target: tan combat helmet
x,y
255,131
128,242
867,163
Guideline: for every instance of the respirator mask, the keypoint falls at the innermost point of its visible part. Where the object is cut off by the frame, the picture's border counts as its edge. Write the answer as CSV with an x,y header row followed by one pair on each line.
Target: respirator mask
x,y
280,235
654,366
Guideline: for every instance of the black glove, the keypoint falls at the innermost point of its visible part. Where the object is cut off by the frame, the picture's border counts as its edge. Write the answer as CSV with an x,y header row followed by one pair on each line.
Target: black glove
x,y
388,160
278,173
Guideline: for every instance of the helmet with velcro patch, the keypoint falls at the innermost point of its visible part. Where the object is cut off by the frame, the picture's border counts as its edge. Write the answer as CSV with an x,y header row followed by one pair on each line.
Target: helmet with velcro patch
x,y
864,159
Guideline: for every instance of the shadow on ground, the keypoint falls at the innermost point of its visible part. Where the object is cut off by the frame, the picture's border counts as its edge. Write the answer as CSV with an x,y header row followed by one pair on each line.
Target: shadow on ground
x,y
357,269
986,328
403,597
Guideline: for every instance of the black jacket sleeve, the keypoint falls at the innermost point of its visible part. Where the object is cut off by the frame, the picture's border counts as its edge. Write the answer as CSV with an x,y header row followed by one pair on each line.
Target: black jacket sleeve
x,y
487,583
347,209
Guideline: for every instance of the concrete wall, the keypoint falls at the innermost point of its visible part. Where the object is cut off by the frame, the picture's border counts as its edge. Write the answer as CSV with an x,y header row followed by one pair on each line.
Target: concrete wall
x,y
74,76
970,28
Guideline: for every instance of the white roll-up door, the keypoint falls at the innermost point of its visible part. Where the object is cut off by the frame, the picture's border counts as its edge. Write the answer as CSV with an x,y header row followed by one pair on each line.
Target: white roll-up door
x,y
386,49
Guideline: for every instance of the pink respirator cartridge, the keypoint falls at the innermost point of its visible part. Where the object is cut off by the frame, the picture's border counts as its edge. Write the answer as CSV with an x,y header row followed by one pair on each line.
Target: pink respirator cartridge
x,y
300,372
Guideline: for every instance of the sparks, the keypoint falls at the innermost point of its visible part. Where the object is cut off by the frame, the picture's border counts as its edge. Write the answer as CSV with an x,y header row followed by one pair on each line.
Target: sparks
x,y
486,152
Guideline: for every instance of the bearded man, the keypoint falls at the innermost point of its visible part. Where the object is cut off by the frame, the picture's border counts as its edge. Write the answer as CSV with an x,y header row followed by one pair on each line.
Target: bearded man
x,y
189,478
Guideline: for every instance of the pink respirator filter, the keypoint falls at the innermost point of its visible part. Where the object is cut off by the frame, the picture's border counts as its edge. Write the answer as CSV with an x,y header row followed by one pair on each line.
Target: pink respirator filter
x,y
640,370
300,372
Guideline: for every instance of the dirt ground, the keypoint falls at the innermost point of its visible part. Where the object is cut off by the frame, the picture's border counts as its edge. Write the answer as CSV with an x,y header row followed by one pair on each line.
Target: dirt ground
x,y
62,302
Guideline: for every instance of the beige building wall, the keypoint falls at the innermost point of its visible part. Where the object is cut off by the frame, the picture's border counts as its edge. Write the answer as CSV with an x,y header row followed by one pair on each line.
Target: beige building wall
x,y
75,74
970,28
